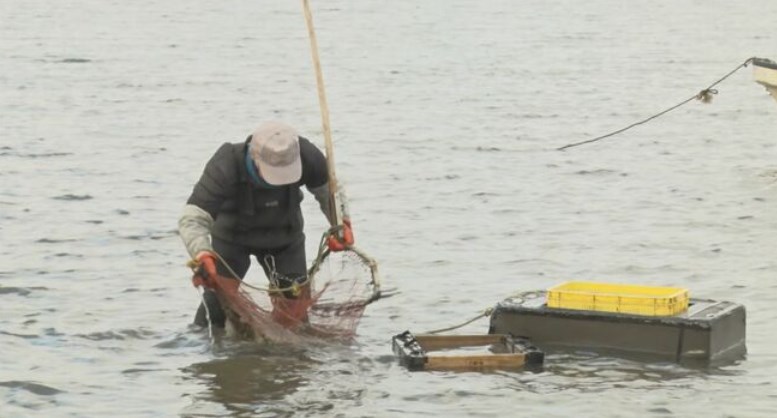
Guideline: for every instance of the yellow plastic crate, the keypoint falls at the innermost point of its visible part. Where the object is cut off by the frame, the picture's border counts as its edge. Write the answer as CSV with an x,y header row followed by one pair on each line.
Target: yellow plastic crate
x,y
630,299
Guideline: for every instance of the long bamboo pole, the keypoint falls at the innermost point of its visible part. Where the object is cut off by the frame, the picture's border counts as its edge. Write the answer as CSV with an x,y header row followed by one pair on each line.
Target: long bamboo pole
x,y
330,157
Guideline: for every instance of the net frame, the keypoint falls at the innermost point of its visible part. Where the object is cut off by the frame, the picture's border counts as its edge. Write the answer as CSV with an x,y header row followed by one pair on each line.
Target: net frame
x,y
293,314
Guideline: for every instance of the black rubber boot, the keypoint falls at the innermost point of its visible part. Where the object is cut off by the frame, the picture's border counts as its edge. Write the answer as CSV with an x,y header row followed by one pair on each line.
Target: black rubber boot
x,y
217,317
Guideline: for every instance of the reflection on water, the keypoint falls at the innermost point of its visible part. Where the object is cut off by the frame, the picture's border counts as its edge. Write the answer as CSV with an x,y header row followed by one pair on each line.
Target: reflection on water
x,y
588,372
246,377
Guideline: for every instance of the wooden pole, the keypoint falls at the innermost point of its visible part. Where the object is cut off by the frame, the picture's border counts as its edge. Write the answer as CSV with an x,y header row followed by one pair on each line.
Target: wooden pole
x,y
330,158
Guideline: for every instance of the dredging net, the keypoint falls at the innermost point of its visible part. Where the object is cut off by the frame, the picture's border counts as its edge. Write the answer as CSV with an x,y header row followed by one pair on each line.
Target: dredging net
x,y
326,304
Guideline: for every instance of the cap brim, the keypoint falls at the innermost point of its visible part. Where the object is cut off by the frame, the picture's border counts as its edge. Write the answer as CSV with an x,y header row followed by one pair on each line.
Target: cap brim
x,y
280,175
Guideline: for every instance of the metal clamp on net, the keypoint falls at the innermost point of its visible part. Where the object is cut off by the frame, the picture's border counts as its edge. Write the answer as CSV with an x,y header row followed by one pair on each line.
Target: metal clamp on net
x,y
282,285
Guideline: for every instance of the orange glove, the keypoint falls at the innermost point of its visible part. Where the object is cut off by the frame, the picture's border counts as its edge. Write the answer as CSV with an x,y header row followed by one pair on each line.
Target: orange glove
x,y
339,241
207,261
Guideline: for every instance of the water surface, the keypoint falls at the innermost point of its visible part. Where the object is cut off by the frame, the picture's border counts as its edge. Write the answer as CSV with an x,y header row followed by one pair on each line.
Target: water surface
x,y
446,117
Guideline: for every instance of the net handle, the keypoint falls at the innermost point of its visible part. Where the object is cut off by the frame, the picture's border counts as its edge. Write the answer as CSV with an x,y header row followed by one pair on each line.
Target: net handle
x,y
334,207
330,153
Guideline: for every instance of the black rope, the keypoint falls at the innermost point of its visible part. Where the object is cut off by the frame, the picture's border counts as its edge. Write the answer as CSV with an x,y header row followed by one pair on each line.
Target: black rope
x,y
704,96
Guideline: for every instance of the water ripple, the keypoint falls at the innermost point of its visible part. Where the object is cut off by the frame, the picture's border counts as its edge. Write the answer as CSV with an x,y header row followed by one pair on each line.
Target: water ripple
x,y
36,388
73,197
119,335
74,61
21,291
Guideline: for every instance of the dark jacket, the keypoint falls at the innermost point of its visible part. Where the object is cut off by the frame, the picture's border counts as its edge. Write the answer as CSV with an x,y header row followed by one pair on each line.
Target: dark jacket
x,y
251,214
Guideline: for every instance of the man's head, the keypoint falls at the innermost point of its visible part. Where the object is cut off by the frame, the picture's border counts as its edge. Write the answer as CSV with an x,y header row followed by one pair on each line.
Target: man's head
x,y
274,148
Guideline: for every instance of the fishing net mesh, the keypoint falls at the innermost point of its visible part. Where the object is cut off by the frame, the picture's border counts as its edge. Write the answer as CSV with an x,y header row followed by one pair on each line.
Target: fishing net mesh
x,y
328,303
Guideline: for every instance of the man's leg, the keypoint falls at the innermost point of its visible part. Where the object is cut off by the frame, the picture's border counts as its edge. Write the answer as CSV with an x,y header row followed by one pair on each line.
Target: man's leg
x,y
289,262
289,266
237,257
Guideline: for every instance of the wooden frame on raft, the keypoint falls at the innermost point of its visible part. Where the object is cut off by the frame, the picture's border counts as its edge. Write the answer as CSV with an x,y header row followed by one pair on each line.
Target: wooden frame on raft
x,y
506,352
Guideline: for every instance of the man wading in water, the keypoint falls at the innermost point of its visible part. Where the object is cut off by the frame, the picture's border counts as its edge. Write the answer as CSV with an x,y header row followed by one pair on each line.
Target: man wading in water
x,y
247,202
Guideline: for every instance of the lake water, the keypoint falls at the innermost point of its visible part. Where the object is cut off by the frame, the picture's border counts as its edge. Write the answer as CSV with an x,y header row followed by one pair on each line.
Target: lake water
x,y
446,117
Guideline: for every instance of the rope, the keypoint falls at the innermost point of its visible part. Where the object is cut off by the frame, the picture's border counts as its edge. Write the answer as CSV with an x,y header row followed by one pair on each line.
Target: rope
x,y
294,288
323,252
211,336
704,96
485,313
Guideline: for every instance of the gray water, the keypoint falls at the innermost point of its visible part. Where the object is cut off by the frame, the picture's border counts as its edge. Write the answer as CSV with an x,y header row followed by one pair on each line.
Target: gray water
x,y
446,117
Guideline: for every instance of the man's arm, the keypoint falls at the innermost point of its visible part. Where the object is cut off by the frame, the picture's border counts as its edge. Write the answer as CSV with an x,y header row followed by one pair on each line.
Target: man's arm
x,y
321,193
217,182
194,228
316,179
315,176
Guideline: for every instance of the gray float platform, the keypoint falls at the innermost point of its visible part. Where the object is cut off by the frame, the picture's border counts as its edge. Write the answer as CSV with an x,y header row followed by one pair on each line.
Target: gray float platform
x,y
708,333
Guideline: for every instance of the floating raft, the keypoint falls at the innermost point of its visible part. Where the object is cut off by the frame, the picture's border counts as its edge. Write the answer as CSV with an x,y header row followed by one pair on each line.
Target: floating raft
x,y
765,74
438,352
706,332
